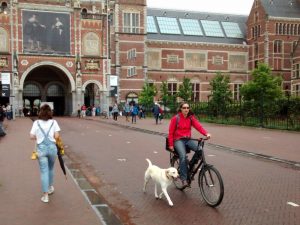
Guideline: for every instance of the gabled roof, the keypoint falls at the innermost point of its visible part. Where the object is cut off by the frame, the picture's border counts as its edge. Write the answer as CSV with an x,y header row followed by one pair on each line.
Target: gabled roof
x,y
282,8
235,22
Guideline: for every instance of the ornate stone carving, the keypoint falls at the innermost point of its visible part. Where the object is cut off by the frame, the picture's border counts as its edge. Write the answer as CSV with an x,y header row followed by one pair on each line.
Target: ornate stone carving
x,y
92,65
3,62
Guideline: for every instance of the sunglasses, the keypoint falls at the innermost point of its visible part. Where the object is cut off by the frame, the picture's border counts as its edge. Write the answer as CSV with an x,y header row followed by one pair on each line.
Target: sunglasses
x,y
185,107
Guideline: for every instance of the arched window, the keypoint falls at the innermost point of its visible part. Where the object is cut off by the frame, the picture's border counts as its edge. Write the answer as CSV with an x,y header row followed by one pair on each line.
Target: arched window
x,y
4,40
55,90
31,90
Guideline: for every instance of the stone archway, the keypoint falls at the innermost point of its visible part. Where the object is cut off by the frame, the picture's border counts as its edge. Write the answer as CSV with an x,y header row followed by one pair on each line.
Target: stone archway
x,y
56,84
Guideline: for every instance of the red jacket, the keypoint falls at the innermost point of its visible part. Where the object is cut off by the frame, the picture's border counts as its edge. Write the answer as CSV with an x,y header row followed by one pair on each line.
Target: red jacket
x,y
183,128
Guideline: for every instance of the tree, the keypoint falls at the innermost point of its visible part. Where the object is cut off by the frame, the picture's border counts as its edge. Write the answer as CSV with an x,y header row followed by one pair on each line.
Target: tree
x,y
221,94
263,84
147,95
167,99
185,90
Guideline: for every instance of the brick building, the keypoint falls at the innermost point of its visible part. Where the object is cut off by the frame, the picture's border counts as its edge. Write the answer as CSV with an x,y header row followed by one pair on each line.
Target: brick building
x,y
95,52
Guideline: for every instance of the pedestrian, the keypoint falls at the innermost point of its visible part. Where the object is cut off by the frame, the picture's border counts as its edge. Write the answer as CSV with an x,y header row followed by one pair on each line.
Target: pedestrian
x,y
161,114
83,111
78,111
2,131
110,111
115,111
134,111
44,131
155,111
8,112
127,111
179,137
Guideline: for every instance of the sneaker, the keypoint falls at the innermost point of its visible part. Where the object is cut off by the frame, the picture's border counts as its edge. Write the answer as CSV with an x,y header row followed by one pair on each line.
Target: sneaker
x,y
45,199
184,184
51,190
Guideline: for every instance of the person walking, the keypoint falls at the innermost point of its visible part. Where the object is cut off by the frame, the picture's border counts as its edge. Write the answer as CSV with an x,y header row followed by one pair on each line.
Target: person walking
x,y
134,111
44,131
180,130
155,111
127,111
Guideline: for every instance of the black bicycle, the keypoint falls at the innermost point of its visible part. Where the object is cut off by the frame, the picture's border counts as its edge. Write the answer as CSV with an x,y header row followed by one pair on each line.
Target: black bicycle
x,y
209,179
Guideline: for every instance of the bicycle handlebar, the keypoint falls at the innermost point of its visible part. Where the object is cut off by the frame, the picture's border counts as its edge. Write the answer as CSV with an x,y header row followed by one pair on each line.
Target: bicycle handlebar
x,y
199,139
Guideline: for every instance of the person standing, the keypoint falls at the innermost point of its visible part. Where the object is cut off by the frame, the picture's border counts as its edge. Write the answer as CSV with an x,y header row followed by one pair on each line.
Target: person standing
x,y
180,130
78,111
44,131
83,111
115,111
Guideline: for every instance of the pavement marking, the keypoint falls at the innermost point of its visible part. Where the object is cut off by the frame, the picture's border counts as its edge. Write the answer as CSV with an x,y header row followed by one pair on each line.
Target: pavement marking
x,y
128,142
211,155
155,152
293,204
122,160
109,135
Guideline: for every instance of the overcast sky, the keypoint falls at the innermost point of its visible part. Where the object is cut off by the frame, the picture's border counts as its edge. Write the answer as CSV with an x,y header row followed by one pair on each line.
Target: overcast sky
x,y
242,7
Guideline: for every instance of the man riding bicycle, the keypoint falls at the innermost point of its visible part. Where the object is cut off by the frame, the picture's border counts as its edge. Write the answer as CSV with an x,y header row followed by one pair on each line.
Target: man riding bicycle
x,y
180,130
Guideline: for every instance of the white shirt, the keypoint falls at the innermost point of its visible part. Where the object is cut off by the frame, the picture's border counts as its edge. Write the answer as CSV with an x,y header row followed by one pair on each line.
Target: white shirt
x,y
45,125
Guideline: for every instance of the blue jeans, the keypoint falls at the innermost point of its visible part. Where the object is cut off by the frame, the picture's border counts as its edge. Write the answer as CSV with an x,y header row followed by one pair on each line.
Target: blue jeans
x,y
46,157
181,146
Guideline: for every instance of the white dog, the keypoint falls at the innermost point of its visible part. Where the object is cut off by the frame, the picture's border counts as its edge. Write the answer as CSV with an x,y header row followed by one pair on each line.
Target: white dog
x,y
164,177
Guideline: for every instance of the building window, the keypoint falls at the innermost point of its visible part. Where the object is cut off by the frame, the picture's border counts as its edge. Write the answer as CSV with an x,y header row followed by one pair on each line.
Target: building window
x,y
296,73
131,54
280,28
131,71
255,49
296,90
256,17
172,88
236,92
277,46
131,23
195,92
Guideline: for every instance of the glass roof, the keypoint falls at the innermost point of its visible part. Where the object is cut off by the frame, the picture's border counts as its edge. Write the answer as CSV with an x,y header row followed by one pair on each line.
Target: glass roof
x,y
190,27
232,30
151,27
168,25
212,28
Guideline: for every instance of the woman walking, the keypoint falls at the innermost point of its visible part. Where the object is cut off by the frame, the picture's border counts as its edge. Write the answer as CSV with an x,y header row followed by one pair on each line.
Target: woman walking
x,y
45,130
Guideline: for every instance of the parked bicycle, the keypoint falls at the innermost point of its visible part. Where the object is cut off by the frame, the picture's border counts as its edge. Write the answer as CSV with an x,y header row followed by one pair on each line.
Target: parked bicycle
x,y
209,179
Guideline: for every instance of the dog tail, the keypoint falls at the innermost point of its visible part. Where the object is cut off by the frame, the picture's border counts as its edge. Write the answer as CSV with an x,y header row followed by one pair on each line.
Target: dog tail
x,y
148,160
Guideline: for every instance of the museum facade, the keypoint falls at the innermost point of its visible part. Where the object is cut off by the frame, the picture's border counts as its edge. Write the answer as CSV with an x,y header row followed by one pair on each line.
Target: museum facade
x,y
71,53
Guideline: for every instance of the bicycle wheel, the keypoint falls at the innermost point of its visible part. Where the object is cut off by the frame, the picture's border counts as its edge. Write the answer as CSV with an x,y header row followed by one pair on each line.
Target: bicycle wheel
x,y
175,163
211,185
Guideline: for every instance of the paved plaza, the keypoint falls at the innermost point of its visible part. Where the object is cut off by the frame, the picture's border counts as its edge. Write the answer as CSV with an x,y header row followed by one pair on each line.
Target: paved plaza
x,y
110,155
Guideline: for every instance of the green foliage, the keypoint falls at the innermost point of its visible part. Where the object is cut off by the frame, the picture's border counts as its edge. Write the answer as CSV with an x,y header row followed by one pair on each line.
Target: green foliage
x,y
167,100
263,85
262,91
147,95
185,90
220,94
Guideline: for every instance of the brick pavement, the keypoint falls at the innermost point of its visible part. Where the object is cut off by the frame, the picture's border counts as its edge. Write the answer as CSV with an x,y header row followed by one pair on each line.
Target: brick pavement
x,y
274,143
20,190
